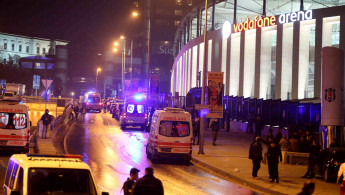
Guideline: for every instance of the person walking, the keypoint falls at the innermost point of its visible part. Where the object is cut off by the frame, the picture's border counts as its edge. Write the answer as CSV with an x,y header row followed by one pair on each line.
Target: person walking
x,y
46,120
284,146
279,135
215,129
128,185
313,157
258,127
308,188
249,128
76,111
71,113
148,185
83,113
196,129
273,156
342,184
255,153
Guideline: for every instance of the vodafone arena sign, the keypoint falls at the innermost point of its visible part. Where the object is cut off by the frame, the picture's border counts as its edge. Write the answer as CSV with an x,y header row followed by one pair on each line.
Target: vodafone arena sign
x,y
259,22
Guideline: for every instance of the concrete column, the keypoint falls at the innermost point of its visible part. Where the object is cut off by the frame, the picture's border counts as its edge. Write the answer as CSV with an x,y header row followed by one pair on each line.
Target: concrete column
x,y
228,58
216,54
318,47
257,63
279,52
240,90
295,61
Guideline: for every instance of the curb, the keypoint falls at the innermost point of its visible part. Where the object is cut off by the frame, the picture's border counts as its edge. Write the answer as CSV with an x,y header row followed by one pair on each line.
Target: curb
x,y
235,178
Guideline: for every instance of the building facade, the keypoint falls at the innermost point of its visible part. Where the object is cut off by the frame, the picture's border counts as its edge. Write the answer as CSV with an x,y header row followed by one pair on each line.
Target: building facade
x,y
25,59
273,51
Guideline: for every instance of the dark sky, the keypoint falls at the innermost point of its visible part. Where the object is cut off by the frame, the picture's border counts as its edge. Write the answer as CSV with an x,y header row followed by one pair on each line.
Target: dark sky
x,y
65,19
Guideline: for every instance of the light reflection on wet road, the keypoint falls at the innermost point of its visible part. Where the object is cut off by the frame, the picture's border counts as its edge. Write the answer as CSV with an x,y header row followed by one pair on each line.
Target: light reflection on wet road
x,y
111,153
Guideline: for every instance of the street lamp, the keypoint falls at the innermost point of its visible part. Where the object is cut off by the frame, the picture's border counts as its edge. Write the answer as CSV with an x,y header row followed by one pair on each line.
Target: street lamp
x,y
135,14
98,70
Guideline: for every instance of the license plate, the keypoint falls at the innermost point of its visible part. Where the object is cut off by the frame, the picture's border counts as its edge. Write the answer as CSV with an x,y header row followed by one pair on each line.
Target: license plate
x,y
130,121
3,142
181,150
166,149
15,143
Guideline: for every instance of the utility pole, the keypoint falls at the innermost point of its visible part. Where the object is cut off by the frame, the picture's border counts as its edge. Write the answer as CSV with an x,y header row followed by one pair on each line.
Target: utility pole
x,y
204,72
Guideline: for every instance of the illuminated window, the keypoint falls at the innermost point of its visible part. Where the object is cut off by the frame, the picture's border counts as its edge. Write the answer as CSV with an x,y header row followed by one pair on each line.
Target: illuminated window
x,y
12,46
178,2
38,50
27,49
20,48
177,22
178,12
5,45
190,2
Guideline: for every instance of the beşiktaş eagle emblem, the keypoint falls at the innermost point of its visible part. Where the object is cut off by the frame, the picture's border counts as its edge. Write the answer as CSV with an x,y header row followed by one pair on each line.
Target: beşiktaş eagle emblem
x,y
330,94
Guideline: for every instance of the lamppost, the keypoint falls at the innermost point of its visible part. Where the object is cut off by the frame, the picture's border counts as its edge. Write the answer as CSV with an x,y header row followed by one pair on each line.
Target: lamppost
x,y
98,70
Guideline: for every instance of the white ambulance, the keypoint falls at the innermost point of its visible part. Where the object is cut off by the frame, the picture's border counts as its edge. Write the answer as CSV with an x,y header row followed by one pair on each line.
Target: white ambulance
x,y
171,134
48,174
14,126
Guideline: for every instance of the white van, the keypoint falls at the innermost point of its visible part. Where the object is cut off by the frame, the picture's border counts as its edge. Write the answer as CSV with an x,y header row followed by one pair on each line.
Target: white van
x,y
48,174
14,126
171,134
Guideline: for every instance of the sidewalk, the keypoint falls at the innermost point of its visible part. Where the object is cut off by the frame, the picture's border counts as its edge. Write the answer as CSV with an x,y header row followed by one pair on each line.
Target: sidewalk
x,y
229,158
46,146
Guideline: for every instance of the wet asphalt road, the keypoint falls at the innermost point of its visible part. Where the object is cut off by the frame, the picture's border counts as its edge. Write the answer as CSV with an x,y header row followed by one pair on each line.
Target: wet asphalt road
x,y
111,153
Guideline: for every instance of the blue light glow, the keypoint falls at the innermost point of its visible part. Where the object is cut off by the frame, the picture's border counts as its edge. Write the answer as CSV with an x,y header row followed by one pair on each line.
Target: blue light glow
x,y
138,97
203,112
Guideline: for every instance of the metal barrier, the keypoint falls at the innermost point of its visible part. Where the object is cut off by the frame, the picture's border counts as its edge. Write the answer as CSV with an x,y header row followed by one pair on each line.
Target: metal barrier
x,y
60,119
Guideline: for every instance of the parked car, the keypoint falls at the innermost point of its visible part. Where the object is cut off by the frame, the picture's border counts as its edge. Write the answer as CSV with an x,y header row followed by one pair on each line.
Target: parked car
x,y
330,161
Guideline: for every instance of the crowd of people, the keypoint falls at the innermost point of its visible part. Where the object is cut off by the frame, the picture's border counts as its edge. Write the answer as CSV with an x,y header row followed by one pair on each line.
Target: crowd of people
x,y
76,109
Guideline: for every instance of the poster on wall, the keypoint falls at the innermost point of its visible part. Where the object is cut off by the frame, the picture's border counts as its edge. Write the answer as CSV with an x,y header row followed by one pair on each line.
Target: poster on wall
x,y
215,90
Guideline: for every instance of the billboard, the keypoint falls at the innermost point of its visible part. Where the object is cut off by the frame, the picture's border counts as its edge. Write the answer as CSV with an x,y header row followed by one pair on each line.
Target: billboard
x,y
215,91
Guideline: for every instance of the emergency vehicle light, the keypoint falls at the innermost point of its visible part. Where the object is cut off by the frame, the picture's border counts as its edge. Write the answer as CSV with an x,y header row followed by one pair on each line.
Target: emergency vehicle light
x,y
55,155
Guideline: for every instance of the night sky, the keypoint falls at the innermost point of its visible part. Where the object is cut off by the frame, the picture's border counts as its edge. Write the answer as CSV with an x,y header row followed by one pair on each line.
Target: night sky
x,y
103,20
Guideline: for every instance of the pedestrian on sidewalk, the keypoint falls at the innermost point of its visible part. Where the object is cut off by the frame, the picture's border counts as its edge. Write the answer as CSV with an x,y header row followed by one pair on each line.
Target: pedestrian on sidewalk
x,y
83,113
71,113
46,120
313,158
258,127
308,188
76,111
342,183
196,129
279,135
148,184
255,153
215,129
273,156
249,128
128,185
284,146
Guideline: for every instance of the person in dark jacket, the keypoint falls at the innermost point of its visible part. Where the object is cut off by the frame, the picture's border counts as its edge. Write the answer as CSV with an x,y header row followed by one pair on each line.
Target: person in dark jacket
x,y
279,135
258,127
148,184
249,128
215,129
46,119
273,156
308,188
313,158
196,129
128,185
255,153
76,111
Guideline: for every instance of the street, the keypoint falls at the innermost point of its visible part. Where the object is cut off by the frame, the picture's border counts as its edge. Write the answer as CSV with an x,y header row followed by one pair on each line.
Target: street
x,y
111,153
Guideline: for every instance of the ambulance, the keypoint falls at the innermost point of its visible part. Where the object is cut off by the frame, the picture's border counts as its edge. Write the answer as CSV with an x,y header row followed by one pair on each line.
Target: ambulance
x,y
49,174
14,126
171,135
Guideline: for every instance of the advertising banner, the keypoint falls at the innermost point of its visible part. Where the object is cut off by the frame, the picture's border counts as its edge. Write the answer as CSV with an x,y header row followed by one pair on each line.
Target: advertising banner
x,y
215,90
332,87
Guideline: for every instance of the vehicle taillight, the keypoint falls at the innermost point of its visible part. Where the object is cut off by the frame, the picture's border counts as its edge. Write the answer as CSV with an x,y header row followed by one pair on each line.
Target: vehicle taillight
x,y
145,116
87,103
124,115
100,104
334,162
